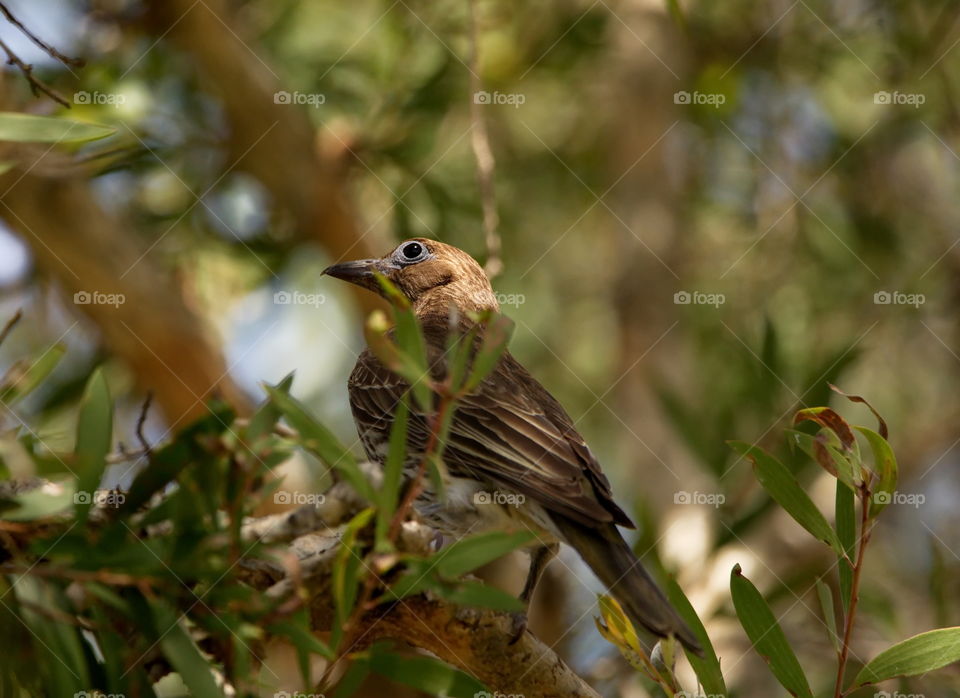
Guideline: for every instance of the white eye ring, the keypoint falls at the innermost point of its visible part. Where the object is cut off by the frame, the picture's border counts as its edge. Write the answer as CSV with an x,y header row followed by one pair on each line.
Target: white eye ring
x,y
411,251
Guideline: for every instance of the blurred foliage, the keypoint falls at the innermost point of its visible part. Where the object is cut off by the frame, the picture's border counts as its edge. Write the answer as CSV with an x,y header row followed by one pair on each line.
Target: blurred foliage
x,y
826,178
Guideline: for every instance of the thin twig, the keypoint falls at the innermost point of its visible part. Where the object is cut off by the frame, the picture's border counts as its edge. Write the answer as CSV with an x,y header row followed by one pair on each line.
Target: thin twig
x,y
141,420
865,529
480,142
36,85
9,326
54,53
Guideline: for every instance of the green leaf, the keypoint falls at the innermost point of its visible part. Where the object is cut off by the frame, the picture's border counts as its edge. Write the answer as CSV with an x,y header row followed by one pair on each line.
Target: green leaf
x,y
825,448
467,554
319,440
301,637
188,447
766,635
180,650
403,351
94,436
780,484
885,465
27,128
346,568
39,503
393,469
425,674
474,593
265,418
846,523
916,655
829,617
707,667
27,381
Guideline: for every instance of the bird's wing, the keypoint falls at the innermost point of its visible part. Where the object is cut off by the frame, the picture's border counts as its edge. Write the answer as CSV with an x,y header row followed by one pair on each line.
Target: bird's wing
x,y
511,432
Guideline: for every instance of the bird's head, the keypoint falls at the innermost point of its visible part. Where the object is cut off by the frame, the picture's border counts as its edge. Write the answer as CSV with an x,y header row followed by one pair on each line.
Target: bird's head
x,y
431,274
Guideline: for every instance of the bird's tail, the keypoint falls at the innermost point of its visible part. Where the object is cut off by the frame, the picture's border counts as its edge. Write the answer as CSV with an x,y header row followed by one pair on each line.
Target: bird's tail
x,y
612,560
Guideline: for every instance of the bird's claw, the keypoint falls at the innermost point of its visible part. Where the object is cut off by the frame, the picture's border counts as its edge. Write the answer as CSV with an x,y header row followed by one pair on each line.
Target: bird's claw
x,y
518,626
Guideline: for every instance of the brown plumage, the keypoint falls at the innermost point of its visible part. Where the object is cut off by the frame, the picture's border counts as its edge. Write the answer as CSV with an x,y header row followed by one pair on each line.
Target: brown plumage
x,y
509,437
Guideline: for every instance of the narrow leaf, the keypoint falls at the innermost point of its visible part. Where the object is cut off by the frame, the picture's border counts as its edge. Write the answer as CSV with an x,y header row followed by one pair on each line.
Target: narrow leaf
x,y
885,465
780,484
826,417
706,667
829,616
846,523
766,635
320,441
94,435
27,381
468,554
27,128
426,674
917,655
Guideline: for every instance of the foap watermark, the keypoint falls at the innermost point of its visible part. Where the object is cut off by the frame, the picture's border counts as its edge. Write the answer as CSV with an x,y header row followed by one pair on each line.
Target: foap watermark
x,y
511,299
897,694
97,694
297,694
899,298
713,99
299,298
313,99
913,99
113,99
914,500
496,694
699,298
696,694
112,499
298,498
714,499
498,497
97,298
515,99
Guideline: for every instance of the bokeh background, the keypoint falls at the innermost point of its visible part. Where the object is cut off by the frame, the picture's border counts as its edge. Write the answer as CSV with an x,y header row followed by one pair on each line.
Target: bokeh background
x,y
708,211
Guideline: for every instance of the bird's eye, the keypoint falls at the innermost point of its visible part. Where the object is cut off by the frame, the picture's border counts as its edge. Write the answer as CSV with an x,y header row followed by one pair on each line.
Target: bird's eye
x,y
412,251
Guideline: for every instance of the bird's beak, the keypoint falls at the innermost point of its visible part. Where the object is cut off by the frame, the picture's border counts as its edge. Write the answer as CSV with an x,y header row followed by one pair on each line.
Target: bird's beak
x,y
356,272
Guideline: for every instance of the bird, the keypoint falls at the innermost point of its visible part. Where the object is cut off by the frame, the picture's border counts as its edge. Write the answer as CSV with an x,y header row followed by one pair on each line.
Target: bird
x,y
513,457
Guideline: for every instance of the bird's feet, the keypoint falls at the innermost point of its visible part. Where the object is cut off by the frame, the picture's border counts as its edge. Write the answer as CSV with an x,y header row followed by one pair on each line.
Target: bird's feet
x,y
518,626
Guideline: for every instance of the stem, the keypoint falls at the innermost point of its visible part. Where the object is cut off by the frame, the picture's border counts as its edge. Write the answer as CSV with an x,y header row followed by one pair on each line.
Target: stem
x,y
865,529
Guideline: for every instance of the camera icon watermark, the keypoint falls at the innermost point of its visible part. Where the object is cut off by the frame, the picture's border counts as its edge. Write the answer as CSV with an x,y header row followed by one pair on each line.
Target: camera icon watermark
x,y
502,498
899,298
699,298
712,99
97,298
299,298
915,500
313,99
514,99
112,499
113,99
912,99
298,498
714,499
